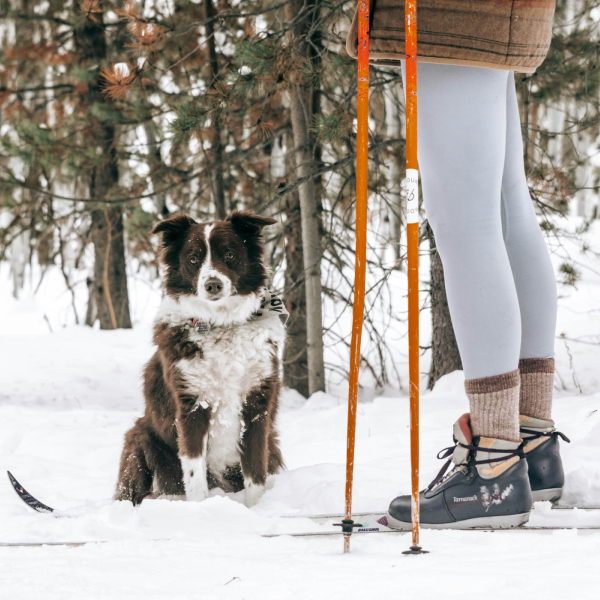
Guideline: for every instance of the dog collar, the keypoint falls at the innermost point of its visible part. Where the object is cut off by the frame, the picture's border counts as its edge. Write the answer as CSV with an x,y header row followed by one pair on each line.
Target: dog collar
x,y
270,305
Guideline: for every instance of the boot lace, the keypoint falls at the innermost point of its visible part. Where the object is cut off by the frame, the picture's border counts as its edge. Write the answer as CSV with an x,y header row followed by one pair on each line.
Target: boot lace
x,y
534,435
447,452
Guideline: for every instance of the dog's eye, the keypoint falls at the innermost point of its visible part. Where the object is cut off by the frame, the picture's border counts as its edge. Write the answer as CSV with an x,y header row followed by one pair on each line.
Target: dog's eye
x,y
229,256
193,260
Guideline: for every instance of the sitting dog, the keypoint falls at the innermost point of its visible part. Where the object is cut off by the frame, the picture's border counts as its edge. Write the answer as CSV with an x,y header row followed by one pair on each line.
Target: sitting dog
x,y
212,387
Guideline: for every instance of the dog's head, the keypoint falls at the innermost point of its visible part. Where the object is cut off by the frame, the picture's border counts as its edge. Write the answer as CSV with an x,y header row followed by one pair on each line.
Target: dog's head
x,y
216,262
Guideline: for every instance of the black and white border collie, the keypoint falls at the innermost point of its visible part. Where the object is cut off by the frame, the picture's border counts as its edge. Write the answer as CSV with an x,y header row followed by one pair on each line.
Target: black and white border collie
x,y
212,387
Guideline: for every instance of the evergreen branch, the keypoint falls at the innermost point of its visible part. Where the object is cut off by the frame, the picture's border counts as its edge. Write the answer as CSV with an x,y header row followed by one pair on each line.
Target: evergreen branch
x,y
39,88
33,17
328,168
228,14
14,182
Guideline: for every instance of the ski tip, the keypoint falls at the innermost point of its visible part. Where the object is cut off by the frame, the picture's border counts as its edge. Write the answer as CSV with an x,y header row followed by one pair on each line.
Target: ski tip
x,y
27,497
16,485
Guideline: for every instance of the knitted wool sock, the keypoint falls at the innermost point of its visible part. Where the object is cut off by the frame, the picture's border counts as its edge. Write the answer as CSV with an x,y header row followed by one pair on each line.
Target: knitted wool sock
x,y
495,406
537,382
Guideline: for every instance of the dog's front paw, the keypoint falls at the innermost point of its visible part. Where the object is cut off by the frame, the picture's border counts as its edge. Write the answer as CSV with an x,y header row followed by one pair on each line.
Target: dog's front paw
x,y
196,491
253,492
194,478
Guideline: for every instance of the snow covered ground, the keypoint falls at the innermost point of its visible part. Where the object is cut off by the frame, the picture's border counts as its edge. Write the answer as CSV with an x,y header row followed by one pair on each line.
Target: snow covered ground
x,y
67,396
64,447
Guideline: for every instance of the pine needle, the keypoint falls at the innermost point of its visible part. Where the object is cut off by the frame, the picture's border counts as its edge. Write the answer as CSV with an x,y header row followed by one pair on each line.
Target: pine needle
x,y
118,80
146,33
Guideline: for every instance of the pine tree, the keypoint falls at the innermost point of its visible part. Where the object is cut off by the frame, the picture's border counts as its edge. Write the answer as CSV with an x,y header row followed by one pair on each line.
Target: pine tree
x,y
126,111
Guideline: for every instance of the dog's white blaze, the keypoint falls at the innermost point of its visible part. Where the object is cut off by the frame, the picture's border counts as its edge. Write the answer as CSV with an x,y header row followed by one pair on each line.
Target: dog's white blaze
x,y
230,367
194,477
207,264
207,271
253,492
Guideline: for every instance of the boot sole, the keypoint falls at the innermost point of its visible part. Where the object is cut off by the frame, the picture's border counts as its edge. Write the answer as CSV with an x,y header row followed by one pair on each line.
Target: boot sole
x,y
503,522
549,495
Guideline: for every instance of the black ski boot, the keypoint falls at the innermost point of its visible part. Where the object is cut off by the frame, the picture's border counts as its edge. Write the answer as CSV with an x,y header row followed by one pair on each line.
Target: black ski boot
x,y
541,448
488,487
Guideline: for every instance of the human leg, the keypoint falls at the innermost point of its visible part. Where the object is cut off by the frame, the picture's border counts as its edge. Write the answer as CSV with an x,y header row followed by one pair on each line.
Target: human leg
x,y
462,138
536,289
532,271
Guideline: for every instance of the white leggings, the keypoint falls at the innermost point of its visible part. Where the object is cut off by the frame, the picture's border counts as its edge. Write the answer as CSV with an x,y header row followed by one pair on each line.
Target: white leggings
x,y
499,279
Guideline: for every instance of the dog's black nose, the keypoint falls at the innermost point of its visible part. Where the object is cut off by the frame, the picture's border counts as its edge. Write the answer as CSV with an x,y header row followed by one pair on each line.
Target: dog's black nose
x,y
213,285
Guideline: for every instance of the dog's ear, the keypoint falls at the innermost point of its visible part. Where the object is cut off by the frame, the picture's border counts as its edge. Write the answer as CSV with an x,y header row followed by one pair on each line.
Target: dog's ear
x,y
247,223
172,229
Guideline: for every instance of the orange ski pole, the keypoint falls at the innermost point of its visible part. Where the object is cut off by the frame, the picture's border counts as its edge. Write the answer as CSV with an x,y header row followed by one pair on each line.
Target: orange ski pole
x,y
362,157
412,242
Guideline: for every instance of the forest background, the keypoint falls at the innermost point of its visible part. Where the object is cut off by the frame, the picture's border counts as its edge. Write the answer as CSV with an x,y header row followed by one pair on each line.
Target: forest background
x,y
115,115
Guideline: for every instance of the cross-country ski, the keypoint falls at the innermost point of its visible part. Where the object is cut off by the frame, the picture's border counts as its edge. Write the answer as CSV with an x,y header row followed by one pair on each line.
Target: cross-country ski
x,y
373,522
367,528
27,497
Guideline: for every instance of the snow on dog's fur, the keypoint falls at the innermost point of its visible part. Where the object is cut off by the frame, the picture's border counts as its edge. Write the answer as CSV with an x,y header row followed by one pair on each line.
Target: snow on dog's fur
x,y
212,390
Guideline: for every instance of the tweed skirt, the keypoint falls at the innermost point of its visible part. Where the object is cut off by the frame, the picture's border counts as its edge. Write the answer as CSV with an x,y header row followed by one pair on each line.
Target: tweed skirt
x,y
513,35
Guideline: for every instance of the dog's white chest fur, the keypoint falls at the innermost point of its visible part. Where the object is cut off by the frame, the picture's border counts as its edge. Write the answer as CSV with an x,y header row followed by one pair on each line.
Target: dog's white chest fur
x,y
234,361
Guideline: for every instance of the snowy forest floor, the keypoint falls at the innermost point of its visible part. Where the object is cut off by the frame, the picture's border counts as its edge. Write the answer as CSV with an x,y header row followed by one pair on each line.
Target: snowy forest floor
x,y
68,396
67,399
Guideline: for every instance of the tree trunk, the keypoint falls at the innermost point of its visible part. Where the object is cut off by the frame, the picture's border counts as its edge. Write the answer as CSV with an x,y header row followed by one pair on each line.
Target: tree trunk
x,y
397,161
278,166
311,243
216,168
26,34
110,276
445,356
19,257
316,50
91,314
311,223
295,364
156,169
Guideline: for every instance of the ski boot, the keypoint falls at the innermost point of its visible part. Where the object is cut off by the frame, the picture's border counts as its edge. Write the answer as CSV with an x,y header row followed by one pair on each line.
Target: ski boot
x,y
541,449
488,487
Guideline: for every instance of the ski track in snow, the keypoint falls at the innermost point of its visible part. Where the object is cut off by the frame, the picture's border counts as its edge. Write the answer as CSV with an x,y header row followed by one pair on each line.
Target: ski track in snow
x,y
67,398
